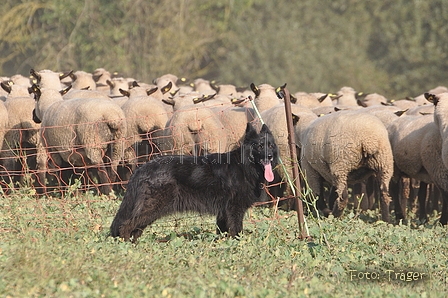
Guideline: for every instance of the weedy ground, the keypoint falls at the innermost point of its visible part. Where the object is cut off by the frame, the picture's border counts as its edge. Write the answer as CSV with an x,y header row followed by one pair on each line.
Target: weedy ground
x,y
61,248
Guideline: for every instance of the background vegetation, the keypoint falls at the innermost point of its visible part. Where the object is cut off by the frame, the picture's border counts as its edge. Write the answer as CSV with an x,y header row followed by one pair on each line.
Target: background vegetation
x,y
396,48
56,247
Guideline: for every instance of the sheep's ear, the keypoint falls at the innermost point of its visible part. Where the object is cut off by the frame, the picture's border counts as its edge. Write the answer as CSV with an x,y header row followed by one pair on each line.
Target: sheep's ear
x,y
361,103
134,84
255,89
64,91
151,91
293,99
124,92
208,97
167,87
36,91
322,98
85,88
237,101
6,87
215,87
67,74
35,75
183,80
399,113
198,99
295,119
334,96
154,81
110,83
97,77
174,92
168,102
431,98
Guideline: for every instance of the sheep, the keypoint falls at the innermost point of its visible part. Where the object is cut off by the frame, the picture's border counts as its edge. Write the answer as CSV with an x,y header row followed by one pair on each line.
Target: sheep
x,y
165,80
22,134
347,96
275,119
49,79
406,103
346,147
82,80
417,148
194,131
422,100
14,90
234,120
101,76
313,100
81,132
265,97
372,99
146,117
203,87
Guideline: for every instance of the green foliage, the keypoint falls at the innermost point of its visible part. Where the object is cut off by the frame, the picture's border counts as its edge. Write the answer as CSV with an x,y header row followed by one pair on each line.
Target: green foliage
x,y
60,247
397,49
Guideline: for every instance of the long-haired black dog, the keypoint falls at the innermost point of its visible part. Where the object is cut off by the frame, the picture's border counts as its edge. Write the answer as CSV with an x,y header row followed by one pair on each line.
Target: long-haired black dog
x,y
225,185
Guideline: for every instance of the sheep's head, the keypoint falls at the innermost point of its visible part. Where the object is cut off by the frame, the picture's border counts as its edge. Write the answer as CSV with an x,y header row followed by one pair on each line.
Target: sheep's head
x,y
432,98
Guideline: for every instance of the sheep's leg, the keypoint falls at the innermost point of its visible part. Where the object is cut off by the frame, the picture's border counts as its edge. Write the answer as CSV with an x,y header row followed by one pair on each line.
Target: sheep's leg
x,y
341,201
41,160
394,192
444,217
422,192
384,201
105,187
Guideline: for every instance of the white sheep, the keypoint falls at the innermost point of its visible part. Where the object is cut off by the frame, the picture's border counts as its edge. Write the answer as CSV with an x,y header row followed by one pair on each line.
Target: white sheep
x,y
22,132
82,132
195,131
346,147
275,119
82,80
49,79
313,100
146,118
265,96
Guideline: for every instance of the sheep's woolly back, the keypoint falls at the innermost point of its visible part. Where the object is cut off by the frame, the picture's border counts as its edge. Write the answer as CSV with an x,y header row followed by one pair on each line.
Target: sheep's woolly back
x,y
144,115
196,126
338,145
234,120
88,125
406,134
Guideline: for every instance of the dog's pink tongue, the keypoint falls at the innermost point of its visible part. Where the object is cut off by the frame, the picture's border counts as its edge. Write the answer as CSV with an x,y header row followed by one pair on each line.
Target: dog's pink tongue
x,y
268,174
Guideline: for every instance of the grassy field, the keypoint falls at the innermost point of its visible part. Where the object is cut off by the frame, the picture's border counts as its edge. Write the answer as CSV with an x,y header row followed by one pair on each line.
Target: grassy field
x,y
60,248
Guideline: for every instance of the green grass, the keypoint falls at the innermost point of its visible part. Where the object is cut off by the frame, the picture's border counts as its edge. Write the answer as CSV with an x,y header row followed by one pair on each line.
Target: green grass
x,y
60,248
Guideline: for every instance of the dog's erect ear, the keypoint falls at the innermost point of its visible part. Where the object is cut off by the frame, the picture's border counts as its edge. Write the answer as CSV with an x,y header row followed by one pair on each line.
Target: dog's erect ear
x,y
265,129
251,132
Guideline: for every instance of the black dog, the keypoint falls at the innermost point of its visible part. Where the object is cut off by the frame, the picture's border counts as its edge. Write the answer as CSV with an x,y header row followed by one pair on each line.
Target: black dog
x,y
225,185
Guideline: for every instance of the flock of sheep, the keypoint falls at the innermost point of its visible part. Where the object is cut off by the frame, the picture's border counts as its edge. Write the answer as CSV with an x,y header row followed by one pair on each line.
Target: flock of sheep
x,y
98,128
